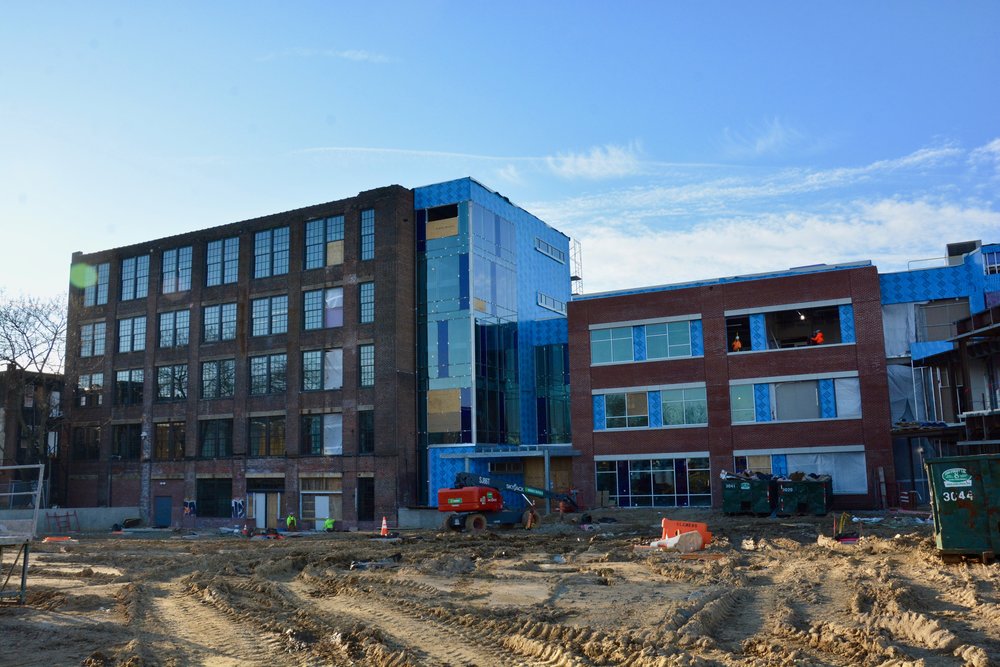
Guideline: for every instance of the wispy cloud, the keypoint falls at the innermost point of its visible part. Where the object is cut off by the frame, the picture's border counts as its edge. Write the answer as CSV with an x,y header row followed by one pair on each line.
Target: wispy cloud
x,y
600,162
356,55
770,138
987,156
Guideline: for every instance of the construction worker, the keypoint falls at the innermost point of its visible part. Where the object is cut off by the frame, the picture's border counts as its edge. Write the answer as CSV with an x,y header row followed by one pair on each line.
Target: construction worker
x,y
737,344
290,522
817,337
328,524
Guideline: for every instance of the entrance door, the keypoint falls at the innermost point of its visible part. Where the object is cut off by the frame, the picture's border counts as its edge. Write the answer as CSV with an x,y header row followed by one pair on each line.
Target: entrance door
x,y
264,508
322,510
162,511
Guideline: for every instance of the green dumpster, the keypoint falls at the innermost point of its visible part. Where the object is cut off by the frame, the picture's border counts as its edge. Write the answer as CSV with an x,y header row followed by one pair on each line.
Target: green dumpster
x,y
806,496
742,495
965,501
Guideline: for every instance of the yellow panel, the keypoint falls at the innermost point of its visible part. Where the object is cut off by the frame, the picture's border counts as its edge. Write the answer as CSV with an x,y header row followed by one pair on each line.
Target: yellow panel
x,y
334,253
440,401
534,472
637,403
441,228
479,304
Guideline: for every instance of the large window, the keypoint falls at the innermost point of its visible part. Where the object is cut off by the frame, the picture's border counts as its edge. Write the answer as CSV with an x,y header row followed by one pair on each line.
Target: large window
x,y
325,242
127,441
550,250
269,374
366,300
323,435
269,316
798,327
684,407
128,387
90,389
550,303
219,322
366,358
611,345
323,308
176,270
847,469
171,382
270,253
368,233
175,328
627,410
86,443
991,262
96,293
135,278
796,400
215,438
656,482
215,498
92,338
218,378
741,403
132,334
168,443
366,431
936,319
668,339
267,436
222,261
322,369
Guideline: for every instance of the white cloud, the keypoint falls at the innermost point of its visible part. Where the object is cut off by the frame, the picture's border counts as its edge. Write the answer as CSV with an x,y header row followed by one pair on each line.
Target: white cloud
x,y
356,55
600,162
510,174
987,156
771,138
889,232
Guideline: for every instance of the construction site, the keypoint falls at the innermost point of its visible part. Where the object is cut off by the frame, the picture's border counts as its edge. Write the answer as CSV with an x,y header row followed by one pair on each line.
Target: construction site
x,y
763,591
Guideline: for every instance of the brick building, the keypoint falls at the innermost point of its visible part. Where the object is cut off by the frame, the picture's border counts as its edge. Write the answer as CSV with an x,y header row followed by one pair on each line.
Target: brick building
x,y
673,384
249,370
322,361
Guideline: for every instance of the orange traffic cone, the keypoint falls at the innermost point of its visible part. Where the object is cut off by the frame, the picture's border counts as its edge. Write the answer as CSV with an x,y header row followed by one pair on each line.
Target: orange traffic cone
x,y
385,528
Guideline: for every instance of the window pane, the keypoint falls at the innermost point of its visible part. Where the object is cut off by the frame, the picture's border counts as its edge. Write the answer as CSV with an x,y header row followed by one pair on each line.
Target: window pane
x,y
742,403
796,400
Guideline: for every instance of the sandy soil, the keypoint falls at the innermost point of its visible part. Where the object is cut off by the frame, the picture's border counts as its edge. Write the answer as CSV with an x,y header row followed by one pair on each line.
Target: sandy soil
x,y
768,591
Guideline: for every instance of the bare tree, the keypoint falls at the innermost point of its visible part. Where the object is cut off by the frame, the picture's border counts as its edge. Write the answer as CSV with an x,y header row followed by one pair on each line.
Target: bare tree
x,y
32,347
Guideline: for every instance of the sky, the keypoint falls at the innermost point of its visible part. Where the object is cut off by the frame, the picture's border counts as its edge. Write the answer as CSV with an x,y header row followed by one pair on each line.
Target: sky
x,y
674,141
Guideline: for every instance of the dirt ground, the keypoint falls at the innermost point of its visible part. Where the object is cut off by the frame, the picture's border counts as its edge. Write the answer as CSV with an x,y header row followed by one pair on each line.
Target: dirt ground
x,y
767,591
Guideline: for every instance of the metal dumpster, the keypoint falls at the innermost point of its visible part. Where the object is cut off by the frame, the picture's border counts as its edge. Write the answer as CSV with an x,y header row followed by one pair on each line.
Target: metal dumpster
x,y
965,501
741,495
807,496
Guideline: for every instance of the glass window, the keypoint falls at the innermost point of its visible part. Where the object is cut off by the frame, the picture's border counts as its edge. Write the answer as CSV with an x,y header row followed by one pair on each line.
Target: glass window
x,y
92,337
668,339
323,308
366,299
269,374
323,434
991,262
269,316
366,356
267,436
368,233
219,322
168,441
96,294
741,403
222,261
270,253
550,250
611,345
171,382
684,406
215,438
132,334
324,242
366,431
86,442
550,303
127,441
215,497
218,378
89,389
135,278
174,328
176,270
128,387
628,410
322,369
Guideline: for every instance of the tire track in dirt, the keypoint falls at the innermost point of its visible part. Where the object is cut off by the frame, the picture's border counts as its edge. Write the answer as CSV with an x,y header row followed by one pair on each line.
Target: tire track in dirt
x,y
177,624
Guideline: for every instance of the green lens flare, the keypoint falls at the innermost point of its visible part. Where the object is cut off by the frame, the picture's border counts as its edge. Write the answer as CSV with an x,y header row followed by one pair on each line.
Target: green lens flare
x,y
82,275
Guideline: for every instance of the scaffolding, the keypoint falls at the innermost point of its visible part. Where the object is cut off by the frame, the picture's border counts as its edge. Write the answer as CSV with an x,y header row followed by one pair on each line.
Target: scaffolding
x,y
18,533
576,266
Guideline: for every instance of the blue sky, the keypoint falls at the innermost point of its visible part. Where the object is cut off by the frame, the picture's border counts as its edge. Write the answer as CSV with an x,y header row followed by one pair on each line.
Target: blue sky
x,y
675,141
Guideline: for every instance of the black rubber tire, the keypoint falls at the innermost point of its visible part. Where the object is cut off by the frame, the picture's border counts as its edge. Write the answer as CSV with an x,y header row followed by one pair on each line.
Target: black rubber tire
x,y
475,523
446,524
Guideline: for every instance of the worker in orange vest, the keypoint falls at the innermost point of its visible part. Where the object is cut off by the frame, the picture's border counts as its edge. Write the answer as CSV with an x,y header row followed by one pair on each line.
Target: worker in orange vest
x,y
817,337
737,345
